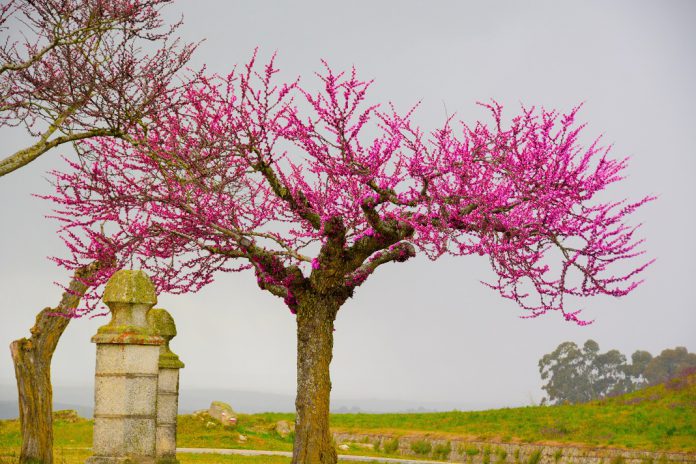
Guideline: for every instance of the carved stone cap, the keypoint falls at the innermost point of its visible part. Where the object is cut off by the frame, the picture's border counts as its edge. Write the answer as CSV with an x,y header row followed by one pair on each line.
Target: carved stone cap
x,y
129,295
162,323
133,287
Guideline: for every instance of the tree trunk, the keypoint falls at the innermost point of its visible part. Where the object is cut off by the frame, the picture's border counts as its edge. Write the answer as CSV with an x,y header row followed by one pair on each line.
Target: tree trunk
x,y
32,363
313,441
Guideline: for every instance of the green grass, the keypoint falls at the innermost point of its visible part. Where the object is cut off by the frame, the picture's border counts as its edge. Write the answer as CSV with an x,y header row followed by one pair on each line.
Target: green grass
x,y
660,418
259,430
215,458
78,456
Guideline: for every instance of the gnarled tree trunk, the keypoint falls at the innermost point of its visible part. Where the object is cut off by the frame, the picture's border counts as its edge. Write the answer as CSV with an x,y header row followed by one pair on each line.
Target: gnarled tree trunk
x,y
32,362
313,441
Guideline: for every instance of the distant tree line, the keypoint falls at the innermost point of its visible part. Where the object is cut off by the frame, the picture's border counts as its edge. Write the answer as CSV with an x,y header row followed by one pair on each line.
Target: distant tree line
x,y
576,374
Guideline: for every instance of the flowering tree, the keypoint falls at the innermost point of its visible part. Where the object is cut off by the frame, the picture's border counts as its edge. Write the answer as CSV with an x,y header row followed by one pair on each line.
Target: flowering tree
x,y
74,69
71,70
272,177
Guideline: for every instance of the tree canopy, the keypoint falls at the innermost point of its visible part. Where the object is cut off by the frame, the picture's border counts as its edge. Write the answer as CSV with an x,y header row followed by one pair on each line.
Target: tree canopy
x,y
254,173
578,375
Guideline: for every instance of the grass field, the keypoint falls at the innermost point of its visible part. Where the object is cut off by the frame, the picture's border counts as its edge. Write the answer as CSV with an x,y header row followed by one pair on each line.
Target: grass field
x,y
661,418
78,456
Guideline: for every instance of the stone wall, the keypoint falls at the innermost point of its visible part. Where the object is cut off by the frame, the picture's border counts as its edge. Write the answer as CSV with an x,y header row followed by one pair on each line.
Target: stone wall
x,y
475,452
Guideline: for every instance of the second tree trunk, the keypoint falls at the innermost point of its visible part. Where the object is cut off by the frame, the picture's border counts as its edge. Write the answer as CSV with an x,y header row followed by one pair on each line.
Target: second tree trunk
x,y
32,362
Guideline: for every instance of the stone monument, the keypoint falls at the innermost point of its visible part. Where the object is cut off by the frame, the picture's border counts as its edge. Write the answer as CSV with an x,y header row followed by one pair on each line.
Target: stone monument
x,y
162,324
127,372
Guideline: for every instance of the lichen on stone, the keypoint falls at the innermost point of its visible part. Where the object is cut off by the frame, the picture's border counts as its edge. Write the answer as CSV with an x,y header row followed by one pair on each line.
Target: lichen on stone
x,y
130,286
127,338
161,323
169,359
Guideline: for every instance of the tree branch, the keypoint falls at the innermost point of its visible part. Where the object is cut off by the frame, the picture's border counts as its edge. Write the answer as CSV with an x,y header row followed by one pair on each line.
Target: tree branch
x,y
399,252
29,154
387,233
303,208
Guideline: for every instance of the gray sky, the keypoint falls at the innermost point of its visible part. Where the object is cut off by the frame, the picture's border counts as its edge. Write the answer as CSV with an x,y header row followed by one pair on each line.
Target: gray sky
x,y
422,331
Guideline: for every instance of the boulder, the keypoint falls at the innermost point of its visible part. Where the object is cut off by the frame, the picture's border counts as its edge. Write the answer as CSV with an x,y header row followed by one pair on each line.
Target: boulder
x,y
223,413
66,415
283,428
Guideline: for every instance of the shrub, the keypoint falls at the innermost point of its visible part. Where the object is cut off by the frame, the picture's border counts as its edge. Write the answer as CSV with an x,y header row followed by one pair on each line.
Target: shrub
x,y
442,451
421,447
557,456
390,446
472,451
487,455
535,457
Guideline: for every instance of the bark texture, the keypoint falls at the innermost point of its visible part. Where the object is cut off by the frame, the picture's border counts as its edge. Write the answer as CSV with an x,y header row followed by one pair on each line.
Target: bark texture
x,y
313,442
27,155
32,362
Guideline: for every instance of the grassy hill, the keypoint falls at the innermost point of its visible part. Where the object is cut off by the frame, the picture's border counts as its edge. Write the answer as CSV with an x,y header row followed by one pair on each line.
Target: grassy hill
x,y
661,418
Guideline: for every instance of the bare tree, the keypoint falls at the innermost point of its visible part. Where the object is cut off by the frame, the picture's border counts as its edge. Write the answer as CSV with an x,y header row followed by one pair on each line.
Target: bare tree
x,y
76,69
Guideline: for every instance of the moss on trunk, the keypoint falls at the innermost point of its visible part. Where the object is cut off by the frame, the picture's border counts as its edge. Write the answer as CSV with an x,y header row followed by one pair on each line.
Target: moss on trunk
x,y
313,442
32,362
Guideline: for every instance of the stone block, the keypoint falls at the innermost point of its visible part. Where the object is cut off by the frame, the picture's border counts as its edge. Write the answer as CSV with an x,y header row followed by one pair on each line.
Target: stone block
x,y
168,380
124,396
167,408
166,441
124,437
131,359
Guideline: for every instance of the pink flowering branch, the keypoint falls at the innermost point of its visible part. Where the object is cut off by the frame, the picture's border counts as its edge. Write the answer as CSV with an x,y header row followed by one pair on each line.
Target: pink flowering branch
x,y
253,173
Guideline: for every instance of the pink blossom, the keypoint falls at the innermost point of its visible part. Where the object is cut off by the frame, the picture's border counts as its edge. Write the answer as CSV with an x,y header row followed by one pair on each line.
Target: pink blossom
x,y
255,173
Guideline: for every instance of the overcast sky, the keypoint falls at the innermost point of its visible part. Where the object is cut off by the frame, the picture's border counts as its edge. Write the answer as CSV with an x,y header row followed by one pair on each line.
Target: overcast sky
x,y
422,331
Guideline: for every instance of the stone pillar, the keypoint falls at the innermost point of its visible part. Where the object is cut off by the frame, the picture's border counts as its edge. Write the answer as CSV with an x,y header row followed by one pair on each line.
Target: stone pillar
x,y
125,394
162,323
